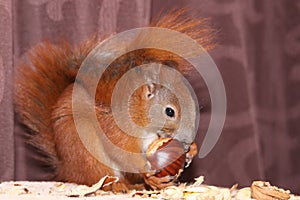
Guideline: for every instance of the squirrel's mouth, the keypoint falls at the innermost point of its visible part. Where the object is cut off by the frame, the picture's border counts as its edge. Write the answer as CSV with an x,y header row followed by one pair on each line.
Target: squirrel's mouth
x,y
148,139
165,133
170,133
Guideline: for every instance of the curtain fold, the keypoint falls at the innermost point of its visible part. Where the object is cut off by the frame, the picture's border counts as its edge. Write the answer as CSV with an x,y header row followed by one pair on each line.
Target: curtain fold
x,y
7,151
258,55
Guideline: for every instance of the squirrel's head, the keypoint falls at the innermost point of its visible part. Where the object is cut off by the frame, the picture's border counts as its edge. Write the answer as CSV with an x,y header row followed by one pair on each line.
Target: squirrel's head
x,y
157,108
153,103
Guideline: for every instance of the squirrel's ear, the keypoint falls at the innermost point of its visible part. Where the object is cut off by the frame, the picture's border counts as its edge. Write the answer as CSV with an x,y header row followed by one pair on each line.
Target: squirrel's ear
x,y
150,89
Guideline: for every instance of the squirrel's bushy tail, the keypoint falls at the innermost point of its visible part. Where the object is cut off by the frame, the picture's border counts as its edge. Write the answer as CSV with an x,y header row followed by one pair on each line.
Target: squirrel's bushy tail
x,y
38,84
41,80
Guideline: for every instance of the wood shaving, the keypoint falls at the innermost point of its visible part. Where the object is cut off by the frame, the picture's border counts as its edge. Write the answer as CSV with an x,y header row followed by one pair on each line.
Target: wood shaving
x,y
82,190
243,194
195,191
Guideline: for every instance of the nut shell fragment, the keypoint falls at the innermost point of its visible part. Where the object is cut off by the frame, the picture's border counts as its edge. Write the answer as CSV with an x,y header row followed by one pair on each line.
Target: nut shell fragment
x,y
264,191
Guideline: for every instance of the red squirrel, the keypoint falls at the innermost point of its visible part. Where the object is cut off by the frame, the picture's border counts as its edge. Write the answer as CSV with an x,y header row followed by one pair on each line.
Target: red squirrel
x,y
43,99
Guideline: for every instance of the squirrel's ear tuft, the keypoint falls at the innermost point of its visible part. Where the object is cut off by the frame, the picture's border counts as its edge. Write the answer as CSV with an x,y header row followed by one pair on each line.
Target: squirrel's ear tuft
x,y
150,90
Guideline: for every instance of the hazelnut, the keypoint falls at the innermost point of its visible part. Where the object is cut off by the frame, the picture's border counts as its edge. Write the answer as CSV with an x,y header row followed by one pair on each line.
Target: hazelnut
x,y
166,155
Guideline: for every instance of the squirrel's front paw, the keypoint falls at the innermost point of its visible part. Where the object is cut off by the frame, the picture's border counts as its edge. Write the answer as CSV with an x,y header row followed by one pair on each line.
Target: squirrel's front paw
x,y
159,182
116,187
190,154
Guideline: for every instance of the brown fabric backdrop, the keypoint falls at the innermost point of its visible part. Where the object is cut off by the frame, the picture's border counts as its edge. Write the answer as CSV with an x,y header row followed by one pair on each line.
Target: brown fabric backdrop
x,y
258,56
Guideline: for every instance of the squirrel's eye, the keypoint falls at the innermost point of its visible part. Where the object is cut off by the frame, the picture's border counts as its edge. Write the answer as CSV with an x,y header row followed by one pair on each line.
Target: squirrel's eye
x,y
170,112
